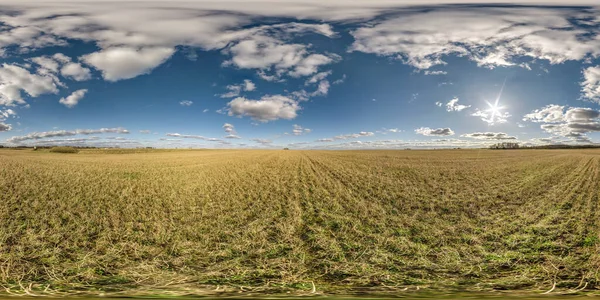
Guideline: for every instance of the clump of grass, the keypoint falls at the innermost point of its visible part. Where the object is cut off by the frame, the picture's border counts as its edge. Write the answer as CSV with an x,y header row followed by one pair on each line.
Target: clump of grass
x,y
63,150
257,220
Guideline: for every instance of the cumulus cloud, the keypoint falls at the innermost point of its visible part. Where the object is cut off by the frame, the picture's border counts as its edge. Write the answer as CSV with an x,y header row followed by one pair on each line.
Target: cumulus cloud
x,y
230,130
76,72
15,79
234,90
574,123
72,100
60,63
145,131
491,37
299,130
268,108
5,127
549,114
186,103
46,64
578,114
62,133
489,136
317,77
426,131
590,87
265,48
322,89
453,105
119,63
249,85
4,115
492,117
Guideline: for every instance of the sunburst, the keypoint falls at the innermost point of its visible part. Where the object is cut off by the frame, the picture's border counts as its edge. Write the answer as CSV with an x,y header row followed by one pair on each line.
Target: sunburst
x,y
496,109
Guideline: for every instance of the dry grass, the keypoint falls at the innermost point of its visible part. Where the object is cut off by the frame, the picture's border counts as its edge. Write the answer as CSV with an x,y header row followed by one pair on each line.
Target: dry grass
x,y
270,220
63,150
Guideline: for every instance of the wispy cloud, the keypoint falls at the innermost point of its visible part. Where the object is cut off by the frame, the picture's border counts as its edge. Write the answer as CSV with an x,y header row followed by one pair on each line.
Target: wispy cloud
x,y
62,133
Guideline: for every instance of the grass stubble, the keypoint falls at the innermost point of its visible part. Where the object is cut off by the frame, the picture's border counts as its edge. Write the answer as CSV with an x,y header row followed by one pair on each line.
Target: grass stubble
x,y
300,222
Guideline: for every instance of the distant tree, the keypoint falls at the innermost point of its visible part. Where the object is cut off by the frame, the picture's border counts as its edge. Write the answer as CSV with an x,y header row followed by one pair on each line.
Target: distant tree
x,y
286,148
505,145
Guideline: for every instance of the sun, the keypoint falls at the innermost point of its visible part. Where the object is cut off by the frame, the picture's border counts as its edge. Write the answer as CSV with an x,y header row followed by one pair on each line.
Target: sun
x,y
495,109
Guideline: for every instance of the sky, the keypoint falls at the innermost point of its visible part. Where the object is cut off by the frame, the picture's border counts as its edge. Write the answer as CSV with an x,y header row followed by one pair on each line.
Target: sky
x,y
304,74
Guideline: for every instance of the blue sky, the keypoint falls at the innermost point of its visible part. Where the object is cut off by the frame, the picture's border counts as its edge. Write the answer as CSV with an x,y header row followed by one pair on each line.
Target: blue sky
x,y
315,74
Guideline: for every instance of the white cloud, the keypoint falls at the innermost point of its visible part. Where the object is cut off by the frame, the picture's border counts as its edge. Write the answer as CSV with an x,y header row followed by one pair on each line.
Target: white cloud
x,y
317,77
489,36
310,64
72,100
590,87
264,142
439,104
197,137
60,133
236,89
348,136
579,114
453,105
205,110
491,117
46,63
489,136
574,124
341,80
434,132
230,130
14,79
5,127
549,114
145,131
61,58
76,72
322,89
186,103
428,72
249,85
299,130
268,108
5,114
119,63
265,48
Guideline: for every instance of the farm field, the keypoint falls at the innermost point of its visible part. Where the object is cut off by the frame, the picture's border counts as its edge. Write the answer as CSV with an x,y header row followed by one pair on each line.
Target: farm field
x,y
274,220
